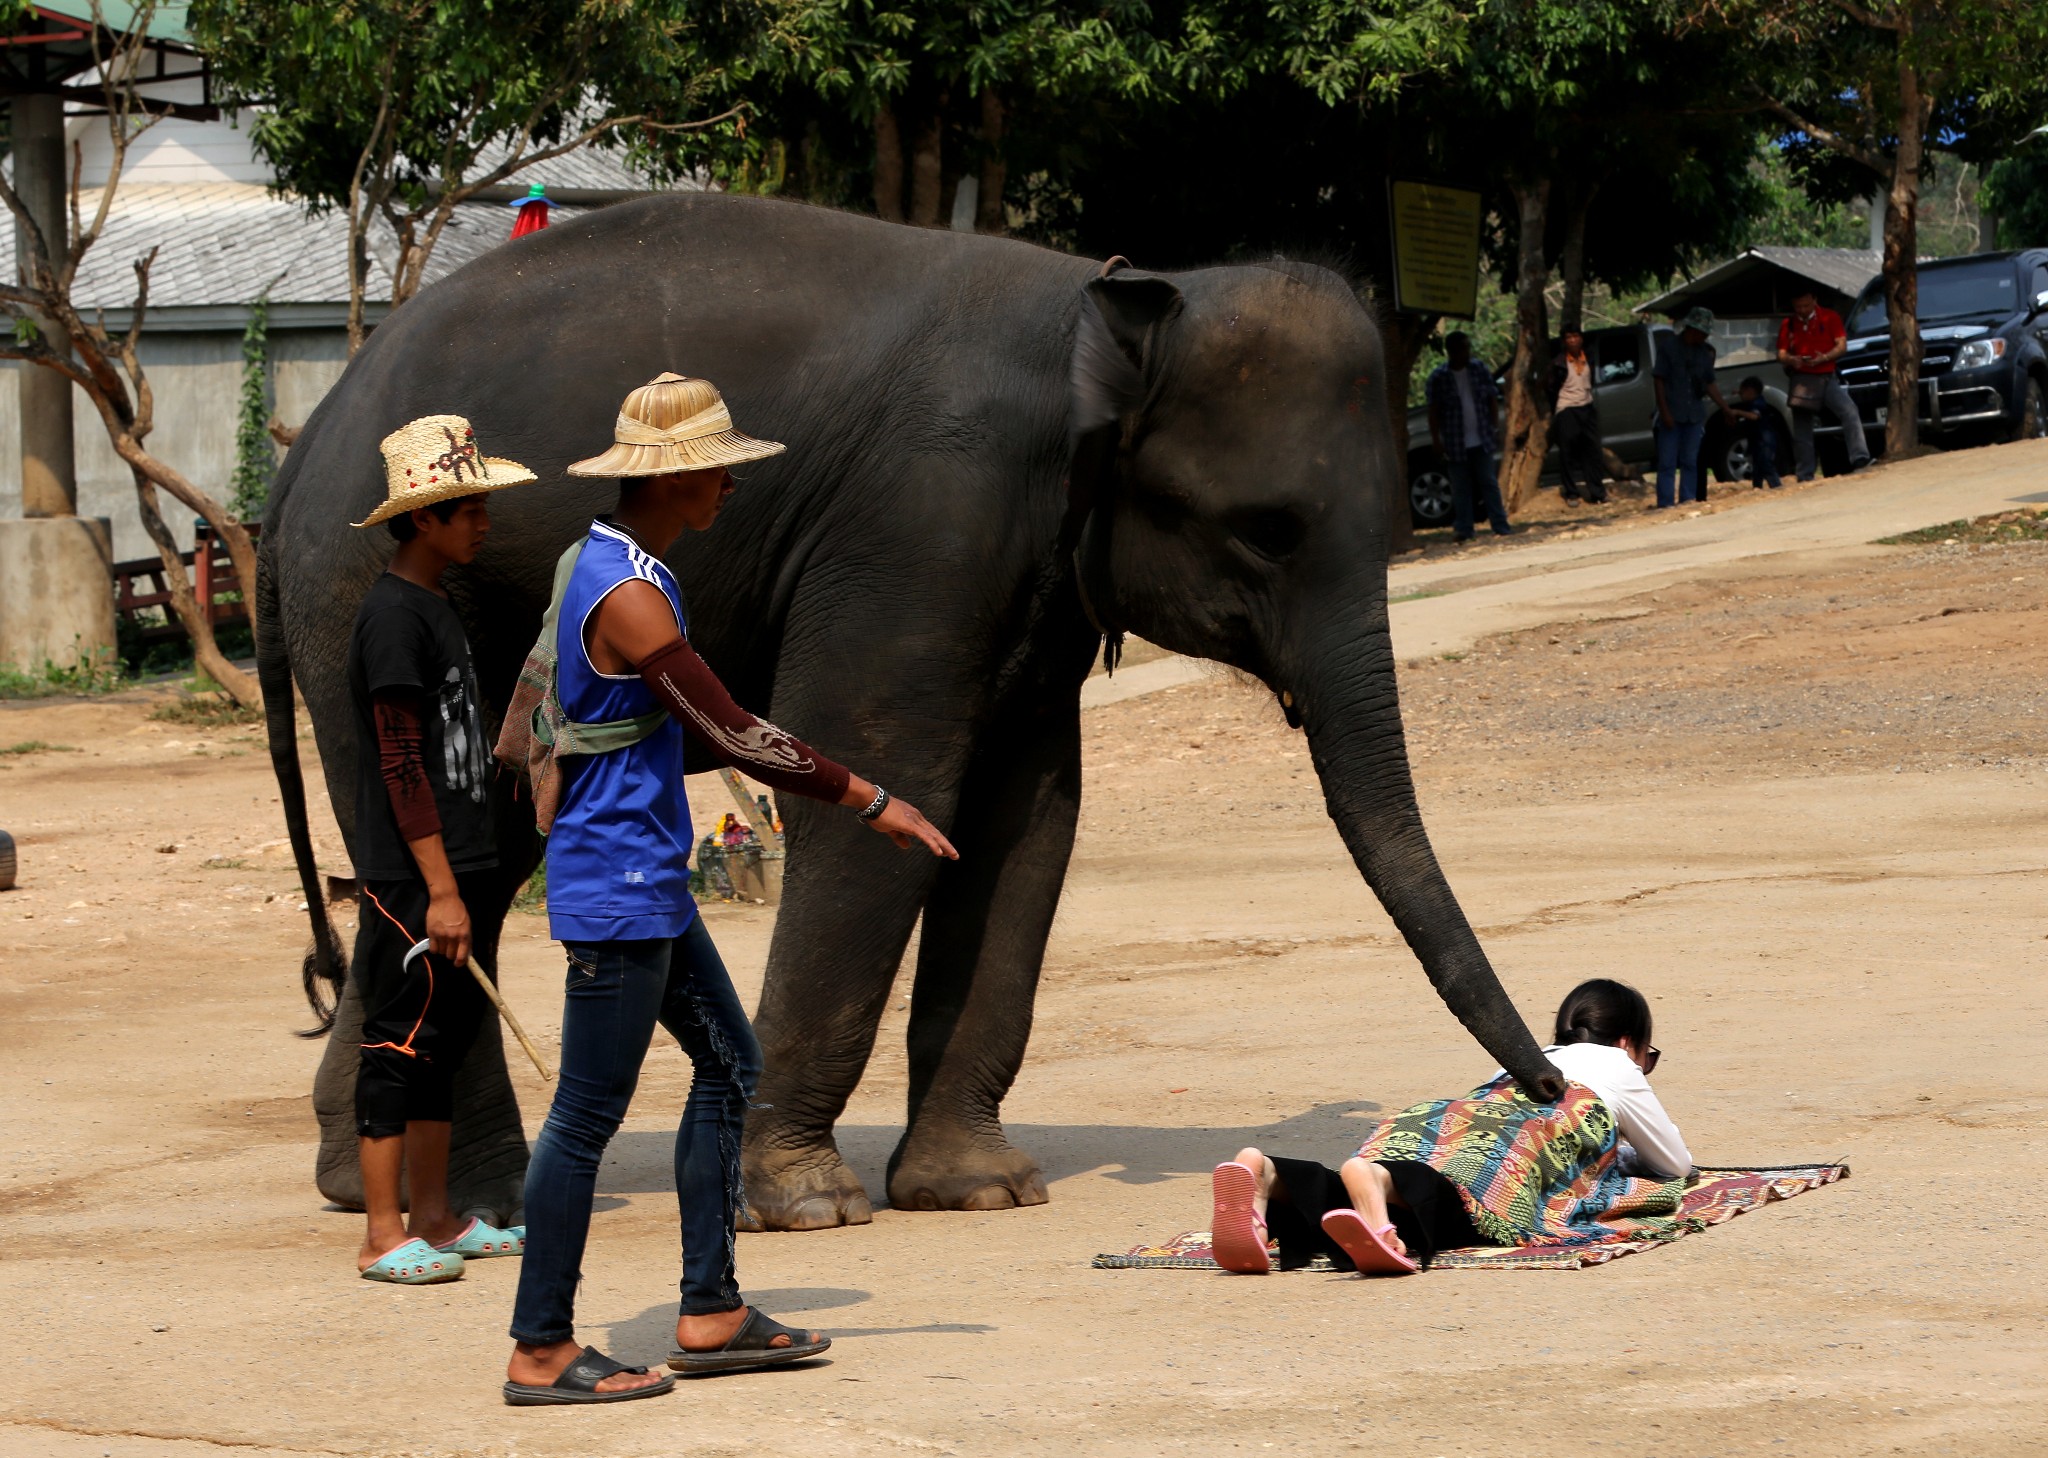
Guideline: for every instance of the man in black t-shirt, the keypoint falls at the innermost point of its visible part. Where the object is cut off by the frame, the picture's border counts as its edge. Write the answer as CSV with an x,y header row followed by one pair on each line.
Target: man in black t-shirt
x,y
424,849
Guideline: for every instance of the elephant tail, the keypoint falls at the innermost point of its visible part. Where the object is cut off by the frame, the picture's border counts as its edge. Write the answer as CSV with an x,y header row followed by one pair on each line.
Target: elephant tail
x,y
325,961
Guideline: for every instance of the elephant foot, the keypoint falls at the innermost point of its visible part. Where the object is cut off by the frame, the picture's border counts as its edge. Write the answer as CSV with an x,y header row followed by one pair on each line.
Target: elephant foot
x,y
963,1175
803,1190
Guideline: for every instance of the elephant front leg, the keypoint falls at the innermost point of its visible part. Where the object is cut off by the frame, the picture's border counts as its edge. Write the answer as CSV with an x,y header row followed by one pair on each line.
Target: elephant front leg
x,y
985,929
849,903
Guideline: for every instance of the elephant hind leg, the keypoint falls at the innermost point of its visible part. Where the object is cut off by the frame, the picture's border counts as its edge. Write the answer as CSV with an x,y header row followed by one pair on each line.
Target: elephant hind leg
x,y
985,929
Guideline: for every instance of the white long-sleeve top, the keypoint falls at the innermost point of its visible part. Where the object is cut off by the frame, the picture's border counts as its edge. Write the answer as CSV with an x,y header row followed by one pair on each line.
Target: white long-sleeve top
x,y
1659,1149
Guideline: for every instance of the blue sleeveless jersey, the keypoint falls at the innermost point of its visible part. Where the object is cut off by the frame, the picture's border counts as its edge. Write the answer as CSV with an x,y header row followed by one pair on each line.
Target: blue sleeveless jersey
x,y
619,853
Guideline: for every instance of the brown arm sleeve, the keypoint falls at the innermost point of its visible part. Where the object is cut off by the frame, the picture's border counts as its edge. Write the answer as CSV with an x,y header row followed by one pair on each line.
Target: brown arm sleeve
x,y
403,766
684,684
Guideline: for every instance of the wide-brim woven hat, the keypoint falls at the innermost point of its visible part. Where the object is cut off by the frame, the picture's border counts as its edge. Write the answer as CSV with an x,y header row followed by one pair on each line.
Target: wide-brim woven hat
x,y
435,458
701,437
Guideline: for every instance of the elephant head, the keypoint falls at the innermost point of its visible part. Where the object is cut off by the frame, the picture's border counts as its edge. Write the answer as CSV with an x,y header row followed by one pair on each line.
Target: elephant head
x,y
1232,480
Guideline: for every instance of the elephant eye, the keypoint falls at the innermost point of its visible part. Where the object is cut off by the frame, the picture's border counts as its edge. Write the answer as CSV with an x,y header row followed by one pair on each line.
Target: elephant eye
x,y
1165,512
1270,531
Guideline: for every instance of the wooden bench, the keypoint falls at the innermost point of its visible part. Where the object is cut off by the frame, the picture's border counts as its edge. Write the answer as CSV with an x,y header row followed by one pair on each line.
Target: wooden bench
x,y
139,586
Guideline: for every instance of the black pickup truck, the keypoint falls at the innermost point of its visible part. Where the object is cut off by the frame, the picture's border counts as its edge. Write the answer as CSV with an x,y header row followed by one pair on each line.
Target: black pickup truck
x,y
1983,365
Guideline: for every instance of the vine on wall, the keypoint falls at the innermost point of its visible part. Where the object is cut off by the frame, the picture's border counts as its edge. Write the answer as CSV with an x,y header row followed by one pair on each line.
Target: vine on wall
x,y
255,453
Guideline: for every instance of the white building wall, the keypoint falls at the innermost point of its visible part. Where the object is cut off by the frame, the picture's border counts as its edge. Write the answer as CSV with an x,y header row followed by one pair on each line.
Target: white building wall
x,y
197,381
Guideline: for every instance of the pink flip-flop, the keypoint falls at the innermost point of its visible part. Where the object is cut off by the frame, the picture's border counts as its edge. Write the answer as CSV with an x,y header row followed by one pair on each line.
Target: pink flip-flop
x,y
1370,1250
1237,1236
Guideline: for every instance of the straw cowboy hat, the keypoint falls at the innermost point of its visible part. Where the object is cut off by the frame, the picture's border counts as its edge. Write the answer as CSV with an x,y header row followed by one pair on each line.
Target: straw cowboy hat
x,y
435,459
674,424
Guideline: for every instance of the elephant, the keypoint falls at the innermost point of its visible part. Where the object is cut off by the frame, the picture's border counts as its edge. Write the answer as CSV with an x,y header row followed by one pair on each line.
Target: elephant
x,y
1001,459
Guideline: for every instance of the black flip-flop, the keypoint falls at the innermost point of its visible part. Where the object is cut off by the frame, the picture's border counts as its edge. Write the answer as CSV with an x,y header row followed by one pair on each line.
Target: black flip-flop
x,y
578,1384
749,1348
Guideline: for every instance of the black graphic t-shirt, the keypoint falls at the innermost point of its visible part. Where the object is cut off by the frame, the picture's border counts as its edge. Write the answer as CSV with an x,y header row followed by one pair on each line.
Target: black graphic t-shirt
x,y
407,638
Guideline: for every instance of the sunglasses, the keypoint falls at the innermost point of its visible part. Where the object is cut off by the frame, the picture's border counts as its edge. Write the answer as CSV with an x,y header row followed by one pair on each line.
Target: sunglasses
x,y
1650,1058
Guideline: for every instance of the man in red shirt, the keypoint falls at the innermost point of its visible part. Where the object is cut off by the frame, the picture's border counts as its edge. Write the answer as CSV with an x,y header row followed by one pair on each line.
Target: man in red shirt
x,y
1809,343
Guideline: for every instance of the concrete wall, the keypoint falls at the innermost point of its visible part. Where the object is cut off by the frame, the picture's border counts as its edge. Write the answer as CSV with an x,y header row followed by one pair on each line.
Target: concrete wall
x,y
197,380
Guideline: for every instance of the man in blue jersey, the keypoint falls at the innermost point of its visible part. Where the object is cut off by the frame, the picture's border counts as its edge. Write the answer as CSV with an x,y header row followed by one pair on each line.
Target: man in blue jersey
x,y
619,901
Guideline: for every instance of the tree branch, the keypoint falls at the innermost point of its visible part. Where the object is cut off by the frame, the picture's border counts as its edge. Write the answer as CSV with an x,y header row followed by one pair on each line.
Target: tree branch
x,y
1832,140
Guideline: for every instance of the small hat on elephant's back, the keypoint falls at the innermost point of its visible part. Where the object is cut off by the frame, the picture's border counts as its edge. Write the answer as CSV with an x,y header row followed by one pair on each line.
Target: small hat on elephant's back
x,y
435,458
673,423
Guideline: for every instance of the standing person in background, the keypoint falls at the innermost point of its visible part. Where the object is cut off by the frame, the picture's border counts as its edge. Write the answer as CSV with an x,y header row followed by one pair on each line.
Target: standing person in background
x,y
1684,377
1575,422
1809,342
425,849
1464,426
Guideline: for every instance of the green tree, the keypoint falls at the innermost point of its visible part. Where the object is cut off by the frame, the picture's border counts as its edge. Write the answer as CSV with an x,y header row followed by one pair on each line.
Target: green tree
x,y
2016,193
891,107
399,110
1880,84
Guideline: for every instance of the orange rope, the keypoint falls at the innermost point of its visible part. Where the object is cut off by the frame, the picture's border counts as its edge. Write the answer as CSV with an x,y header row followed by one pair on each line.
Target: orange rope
x,y
406,1047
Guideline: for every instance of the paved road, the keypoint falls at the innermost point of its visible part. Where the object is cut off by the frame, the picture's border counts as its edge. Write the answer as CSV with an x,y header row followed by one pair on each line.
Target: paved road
x,y
1447,605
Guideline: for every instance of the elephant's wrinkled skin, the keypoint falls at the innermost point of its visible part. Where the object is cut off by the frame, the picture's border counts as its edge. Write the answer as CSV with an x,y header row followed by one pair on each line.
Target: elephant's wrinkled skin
x,y
901,590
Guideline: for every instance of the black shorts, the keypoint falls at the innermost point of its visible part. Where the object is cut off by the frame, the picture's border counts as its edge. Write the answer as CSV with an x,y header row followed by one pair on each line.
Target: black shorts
x,y
419,1018
1431,1218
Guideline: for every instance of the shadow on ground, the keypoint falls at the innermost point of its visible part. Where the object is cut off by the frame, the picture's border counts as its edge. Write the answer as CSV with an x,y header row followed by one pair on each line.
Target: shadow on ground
x,y
655,1328
641,1161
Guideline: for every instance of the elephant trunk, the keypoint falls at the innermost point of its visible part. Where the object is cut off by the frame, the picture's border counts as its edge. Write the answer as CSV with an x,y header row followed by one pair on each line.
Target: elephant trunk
x,y
1349,706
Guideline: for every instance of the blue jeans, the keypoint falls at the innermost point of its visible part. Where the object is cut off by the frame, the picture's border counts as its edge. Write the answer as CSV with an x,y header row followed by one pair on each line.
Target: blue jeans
x,y
1472,475
1763,456
617,992
1678,454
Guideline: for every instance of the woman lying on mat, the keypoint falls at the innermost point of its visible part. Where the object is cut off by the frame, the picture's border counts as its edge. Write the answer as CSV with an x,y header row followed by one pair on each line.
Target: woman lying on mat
x,y
1492,1168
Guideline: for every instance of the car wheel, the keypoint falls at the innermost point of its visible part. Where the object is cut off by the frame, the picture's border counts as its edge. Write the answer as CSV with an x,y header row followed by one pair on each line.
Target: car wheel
x,y
1429,492
1735,461
2032,420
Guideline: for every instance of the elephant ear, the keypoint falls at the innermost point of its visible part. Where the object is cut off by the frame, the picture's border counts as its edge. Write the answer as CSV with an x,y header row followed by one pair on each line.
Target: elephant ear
x,y
1117,345
1116,350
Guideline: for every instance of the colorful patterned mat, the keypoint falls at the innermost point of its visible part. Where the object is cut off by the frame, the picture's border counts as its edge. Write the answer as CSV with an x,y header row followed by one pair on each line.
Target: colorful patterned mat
x,y
1720,1195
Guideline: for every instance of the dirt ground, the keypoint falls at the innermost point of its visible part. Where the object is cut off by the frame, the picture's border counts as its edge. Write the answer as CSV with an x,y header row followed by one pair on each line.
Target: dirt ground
x,y
1804,807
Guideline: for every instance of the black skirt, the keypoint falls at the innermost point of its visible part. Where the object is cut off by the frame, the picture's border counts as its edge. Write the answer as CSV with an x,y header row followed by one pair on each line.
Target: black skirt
x,y
1434,1219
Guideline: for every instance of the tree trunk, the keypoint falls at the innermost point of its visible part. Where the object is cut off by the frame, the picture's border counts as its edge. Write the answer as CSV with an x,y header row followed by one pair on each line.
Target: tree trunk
x,y
888,166
1571,265
927,173
1527,437
1901,267
1403,338
206,654
989,216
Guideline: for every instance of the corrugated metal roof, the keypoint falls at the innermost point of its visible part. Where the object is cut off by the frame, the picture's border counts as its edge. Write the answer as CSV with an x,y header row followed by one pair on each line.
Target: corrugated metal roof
x,y
1757,281
225,243
166,20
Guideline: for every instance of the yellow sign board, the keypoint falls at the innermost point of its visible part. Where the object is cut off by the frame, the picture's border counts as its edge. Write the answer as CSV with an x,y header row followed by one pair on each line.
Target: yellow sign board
x,y
1436,248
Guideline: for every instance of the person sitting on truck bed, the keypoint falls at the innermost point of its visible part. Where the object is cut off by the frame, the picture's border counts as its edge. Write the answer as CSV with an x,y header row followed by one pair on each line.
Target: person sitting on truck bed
x,y
1809,343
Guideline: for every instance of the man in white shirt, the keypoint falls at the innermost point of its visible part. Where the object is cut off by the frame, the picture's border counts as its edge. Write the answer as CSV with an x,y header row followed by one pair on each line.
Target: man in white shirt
x,y
1575,422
